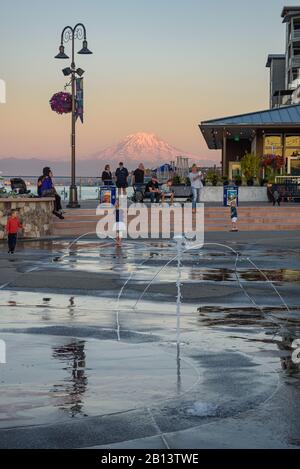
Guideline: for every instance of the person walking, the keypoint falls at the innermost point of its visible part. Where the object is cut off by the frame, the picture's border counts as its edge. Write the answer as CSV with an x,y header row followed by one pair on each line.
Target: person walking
x,y
122,179
196,178
47,189
276,196
12,227
107,177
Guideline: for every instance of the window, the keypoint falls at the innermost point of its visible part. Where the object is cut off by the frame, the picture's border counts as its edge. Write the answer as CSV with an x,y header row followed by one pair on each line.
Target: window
x,y
295,168
292,154
273,145
292,141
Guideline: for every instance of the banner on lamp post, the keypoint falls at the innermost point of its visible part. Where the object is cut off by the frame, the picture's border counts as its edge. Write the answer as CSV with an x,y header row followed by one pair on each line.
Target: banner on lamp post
x,y
79,98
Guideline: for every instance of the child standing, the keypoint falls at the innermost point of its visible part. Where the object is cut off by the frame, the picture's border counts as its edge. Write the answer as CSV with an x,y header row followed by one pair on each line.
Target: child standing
x,y
234,215
12,227
119,226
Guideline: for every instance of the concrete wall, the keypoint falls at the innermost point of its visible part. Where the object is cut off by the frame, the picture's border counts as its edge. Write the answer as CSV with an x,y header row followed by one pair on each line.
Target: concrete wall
x,y
246,194
35,215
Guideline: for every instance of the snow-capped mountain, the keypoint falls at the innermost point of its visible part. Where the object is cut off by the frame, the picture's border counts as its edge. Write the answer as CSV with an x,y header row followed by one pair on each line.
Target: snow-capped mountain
x,y
134,149
141,148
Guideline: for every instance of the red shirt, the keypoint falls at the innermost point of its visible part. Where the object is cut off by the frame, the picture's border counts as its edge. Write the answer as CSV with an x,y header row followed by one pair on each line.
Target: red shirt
x,y
13,224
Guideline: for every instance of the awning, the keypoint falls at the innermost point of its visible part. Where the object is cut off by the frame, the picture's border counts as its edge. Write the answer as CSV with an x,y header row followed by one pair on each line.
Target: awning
x,y
245,125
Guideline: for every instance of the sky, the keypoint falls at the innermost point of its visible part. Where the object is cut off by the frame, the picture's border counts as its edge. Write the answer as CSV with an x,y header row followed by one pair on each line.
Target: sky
x,y
159,66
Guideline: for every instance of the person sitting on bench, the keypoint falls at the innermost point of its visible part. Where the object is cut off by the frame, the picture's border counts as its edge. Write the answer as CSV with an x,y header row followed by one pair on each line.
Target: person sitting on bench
x,y
168,191
152,190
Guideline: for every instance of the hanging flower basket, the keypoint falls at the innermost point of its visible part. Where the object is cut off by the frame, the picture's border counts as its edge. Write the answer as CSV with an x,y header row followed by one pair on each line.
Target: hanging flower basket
x,y
61,103
276,162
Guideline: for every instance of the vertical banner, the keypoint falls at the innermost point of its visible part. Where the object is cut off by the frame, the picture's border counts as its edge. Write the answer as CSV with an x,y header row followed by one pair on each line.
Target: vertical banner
x,y
79,98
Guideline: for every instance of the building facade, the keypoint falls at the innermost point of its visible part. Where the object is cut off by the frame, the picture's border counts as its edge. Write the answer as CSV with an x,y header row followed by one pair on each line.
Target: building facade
x,y
273,133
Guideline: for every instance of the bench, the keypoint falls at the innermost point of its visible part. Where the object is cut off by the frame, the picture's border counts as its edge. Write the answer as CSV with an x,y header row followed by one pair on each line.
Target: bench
x,y
288,191
183,192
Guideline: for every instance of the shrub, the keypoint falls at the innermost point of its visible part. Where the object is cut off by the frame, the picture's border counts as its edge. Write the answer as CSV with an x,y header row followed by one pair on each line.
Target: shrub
x,y
212,177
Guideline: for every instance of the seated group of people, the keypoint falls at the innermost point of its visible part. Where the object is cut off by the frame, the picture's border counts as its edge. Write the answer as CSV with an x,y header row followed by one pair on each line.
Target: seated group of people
x,y
45,188
152,189
157,194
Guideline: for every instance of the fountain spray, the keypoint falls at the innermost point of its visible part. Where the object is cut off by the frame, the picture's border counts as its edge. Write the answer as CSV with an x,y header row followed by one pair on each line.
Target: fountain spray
x,y
181,245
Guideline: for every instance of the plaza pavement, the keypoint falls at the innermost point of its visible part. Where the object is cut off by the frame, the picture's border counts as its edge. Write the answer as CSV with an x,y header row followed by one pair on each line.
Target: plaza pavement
x,y
71,383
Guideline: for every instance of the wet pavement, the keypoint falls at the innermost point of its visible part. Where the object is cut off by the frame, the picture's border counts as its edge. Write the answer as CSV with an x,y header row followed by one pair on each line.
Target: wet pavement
x,y
94,362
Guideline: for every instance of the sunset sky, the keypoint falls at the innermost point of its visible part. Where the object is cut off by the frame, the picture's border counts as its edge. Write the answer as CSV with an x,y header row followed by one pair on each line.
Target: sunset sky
x,y
159,66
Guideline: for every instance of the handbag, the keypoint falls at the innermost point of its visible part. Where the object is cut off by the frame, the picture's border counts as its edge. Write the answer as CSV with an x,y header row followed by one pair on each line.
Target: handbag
x,y
49,193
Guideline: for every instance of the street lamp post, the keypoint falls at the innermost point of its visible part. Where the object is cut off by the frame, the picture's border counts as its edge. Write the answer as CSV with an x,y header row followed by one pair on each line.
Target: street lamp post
x,y
70,34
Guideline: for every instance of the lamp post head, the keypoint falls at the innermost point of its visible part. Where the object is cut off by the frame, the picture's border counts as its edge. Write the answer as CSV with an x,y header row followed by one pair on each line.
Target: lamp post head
x,y
61,54
79,72
67,71
85,50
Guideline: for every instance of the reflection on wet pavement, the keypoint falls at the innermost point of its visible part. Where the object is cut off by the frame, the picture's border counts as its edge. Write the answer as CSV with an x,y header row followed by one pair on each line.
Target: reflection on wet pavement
x,y
72,356
65,360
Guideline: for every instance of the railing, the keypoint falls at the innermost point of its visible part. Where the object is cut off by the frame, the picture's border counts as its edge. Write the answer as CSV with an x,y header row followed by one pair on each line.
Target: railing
x,y
295,62
296,35
287,180
88,186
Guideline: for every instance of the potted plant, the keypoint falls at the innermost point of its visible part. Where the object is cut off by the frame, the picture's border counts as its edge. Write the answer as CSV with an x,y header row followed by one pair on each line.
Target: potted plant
x,y
250,164
238,180
176,181
225,180
213,178
263,182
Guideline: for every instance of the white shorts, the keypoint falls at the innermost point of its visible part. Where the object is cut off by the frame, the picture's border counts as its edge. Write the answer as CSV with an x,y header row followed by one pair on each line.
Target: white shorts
x,y
119,227
234,220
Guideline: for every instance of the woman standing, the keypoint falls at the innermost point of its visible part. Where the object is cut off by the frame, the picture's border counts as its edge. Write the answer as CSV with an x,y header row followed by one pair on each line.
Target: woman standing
x,y
196,178
106,177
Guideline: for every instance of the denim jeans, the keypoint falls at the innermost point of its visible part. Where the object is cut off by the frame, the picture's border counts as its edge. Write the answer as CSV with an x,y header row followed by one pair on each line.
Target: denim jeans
x,y
12,242
154,196
196,196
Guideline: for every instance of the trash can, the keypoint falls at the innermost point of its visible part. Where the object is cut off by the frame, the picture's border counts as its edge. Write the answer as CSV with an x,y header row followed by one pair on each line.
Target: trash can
x,y
108,195
231,193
